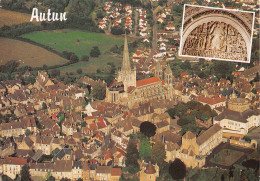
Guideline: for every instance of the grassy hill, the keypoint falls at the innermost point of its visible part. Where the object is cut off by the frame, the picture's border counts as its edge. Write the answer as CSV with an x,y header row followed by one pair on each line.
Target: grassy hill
x,y
9,18
81,43
27,54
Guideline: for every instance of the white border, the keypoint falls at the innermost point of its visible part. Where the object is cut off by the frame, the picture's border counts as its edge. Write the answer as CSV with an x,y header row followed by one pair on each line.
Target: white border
x,y
211,58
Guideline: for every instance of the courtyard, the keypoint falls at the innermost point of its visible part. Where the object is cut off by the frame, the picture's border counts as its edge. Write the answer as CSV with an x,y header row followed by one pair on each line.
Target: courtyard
x,y
225,155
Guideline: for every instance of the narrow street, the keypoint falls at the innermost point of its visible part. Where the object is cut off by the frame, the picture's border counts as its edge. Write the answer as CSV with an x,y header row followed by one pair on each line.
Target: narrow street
x,y
136,22
108,31
154,41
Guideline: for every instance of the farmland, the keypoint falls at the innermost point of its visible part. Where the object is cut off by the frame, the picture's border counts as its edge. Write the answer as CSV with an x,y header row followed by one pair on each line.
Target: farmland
x,y
12,18
80,43
27,54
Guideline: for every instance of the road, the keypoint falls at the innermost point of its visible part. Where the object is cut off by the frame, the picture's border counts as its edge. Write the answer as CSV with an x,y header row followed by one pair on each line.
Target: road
x,y
154,41
108,31
136,22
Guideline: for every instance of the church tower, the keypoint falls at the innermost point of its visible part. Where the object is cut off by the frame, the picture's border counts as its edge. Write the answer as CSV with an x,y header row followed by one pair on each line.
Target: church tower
x,y
158,71
126,74
168,75
168,78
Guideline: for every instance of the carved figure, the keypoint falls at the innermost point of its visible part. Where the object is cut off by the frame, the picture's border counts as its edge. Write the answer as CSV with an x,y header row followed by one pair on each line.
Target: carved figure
x,y
216,36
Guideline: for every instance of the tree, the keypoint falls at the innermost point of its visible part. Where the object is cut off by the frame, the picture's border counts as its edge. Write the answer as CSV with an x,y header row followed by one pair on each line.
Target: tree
x,y
79,71
108,69
193,104
95,52
186,65
181,109
116,49
74,58
44,66
25,173
62,117
171,112
51,178
116,30
177,169
186,119
247,139
65,179
132,156
6,178
222,69
148,129
10,66
213,113
55,73
99,91
158,154
44,105
100,14
145,149
205,116
66,54
85,58
28,132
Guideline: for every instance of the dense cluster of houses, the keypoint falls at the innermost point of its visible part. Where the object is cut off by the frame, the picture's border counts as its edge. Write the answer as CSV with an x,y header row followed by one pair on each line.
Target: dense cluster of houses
x,y
117,15
46,119
167,37
56,131
143,27
87,140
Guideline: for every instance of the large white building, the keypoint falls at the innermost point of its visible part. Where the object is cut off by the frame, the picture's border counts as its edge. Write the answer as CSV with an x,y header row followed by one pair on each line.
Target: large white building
x,y
238,118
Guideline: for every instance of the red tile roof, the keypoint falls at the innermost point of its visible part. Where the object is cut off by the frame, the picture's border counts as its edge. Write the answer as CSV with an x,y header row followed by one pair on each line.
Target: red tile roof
x,y
101,108
54,115
92,161
138,52
93,126
115,171
147,81
130,89
119,155
184,73
211,101
101,124
236,73
108,155
15,161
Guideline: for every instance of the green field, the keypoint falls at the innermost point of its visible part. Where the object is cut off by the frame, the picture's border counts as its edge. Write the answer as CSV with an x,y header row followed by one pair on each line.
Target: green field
x,y
80,42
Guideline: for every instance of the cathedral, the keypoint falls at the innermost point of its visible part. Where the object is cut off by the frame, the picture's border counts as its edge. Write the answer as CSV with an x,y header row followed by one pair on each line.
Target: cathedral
x,y
129,92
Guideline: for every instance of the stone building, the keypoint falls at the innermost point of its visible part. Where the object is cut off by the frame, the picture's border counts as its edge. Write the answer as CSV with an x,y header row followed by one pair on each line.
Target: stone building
x,y
149,172
12,166
194,149
42,81
238,118
127,91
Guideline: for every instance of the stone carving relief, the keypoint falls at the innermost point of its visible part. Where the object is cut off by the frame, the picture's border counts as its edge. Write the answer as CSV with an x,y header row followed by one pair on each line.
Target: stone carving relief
x,y
216,40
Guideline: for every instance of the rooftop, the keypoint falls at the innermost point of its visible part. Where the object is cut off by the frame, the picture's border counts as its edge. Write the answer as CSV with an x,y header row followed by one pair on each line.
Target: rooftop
x,y
147,81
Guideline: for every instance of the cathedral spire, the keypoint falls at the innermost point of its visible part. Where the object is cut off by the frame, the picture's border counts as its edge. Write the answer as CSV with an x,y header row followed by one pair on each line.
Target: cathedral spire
x,y
168,69
126,66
